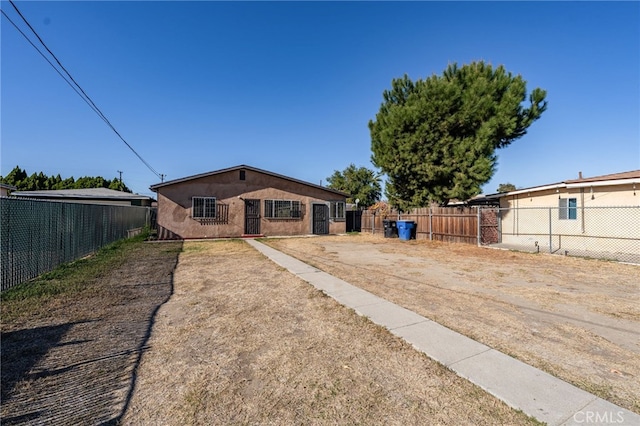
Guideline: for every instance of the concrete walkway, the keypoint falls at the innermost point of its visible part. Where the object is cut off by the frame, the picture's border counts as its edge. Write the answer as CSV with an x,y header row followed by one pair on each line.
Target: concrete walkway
x,y
536,393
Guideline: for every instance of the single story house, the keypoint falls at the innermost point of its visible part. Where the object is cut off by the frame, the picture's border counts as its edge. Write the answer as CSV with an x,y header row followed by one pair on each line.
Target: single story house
x,y
88,196
5,189
582,215
618,189
246,201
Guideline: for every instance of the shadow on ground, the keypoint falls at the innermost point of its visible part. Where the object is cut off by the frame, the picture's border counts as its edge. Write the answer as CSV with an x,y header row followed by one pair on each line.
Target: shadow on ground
x,y
80,368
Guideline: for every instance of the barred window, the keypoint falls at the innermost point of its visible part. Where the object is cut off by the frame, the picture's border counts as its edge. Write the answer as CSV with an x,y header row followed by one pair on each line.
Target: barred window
x,y
338,210
203,207
282,209
568,208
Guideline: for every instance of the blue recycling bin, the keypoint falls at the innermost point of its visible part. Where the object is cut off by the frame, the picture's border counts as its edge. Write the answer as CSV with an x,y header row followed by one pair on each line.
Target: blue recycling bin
x,y
405,228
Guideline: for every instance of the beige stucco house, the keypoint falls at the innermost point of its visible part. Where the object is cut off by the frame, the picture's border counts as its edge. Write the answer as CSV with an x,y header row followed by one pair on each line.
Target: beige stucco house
x,y
618,189
5,189
246,201
587,214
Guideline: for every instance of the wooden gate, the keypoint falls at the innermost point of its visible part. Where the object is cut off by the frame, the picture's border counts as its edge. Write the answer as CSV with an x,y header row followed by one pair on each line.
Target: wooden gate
x,y
252,217
320,219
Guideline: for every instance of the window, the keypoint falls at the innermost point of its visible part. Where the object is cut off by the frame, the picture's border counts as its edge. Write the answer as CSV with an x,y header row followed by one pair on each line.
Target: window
x,y
338,210
282,209
568,208
242,175
203,207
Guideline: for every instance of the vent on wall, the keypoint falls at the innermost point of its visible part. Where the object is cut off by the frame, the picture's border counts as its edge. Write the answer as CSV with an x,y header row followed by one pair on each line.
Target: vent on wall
x,y
242,175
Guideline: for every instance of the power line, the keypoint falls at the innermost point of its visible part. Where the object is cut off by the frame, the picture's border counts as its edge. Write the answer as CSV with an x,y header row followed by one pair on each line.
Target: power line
x,y
47,59
79,89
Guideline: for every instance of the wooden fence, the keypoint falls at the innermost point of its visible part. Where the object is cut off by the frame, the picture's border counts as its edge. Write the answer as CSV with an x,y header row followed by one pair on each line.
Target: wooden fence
x,y
599,232
451,224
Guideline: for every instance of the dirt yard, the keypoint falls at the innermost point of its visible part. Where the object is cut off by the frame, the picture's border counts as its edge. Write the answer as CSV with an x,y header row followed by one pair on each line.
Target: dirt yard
x,y
72,360
578,319
215,333
242,341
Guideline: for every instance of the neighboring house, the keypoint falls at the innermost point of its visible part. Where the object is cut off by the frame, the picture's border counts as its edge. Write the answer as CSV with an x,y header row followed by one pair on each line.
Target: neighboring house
x,y
88,196
5,188
618,189
246,201
599,213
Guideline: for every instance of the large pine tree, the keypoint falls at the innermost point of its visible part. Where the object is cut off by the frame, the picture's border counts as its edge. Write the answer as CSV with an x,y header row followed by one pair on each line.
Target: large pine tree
x,y
435,139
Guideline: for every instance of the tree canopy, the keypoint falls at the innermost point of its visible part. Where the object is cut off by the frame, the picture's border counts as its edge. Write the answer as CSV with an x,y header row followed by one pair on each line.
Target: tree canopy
x,y
39,181
506,187
362,183
435,139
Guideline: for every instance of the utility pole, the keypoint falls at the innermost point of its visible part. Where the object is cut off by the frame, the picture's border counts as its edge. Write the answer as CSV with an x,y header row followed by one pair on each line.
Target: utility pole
x,y
162,177
121,186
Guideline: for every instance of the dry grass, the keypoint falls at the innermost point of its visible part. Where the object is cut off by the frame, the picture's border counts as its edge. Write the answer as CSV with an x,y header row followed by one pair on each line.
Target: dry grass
x,y
578,319
241,341
244,342
70,357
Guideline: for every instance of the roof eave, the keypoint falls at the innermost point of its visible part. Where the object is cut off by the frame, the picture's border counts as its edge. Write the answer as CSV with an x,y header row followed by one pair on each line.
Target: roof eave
x,y
613,182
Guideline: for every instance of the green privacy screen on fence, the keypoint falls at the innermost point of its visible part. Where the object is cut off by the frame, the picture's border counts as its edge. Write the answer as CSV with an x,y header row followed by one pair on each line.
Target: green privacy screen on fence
x,y
36,236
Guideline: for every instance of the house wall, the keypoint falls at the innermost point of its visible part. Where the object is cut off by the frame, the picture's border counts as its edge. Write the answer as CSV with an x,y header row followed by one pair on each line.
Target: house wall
x,y
175,203
603,196
606,219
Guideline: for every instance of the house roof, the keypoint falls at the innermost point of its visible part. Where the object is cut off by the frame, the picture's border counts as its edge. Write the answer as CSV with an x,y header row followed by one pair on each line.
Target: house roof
x,y
244,167
86,193
634,174
623,178
7,186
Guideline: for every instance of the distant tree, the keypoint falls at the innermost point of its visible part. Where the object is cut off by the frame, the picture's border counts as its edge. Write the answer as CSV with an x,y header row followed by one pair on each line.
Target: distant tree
x,y
15,177
435,139
35,182
53,182
506,187
39,181
90,182
68,183
118,185
361,183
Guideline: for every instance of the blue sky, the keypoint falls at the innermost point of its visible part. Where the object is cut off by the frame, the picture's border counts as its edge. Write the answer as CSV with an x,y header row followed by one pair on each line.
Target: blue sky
x,y
291,86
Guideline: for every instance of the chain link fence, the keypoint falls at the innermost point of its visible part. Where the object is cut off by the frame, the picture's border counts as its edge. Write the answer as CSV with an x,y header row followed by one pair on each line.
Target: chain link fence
x,y
36,236
611,233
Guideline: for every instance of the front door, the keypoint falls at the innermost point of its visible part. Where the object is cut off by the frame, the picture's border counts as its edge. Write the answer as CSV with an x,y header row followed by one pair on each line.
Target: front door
x,y
252,217
320,219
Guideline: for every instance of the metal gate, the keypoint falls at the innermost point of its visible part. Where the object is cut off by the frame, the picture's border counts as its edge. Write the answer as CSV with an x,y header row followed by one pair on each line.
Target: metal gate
x,y
489,226
354,221
320,219
252,217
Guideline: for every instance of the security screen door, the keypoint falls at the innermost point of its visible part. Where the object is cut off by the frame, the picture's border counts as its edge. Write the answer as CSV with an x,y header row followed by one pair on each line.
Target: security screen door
x,y
252,217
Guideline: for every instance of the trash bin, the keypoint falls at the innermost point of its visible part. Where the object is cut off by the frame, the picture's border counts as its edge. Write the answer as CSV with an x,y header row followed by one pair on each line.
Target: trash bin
x,y
405,229
390,229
